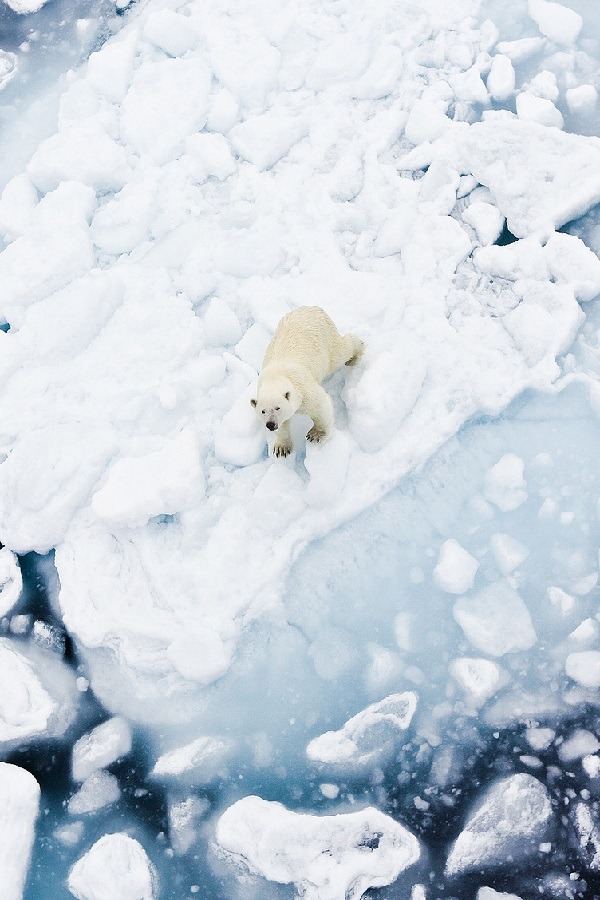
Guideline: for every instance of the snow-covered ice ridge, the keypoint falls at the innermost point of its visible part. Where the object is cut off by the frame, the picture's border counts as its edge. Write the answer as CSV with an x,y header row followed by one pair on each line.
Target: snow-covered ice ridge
x,y
214,168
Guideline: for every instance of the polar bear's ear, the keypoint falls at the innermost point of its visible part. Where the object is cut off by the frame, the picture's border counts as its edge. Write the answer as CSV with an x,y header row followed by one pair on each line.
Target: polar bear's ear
x,y
253,403
287,395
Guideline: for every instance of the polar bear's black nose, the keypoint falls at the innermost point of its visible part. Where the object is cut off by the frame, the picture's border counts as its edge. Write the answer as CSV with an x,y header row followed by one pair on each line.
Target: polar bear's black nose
x,y
272,426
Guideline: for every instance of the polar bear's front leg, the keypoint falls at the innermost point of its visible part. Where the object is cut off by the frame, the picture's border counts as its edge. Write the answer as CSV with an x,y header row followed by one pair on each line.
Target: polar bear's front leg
x,y
283,442
319,407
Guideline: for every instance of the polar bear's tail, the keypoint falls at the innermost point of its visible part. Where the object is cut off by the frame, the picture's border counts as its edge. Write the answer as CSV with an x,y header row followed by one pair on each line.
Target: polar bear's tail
x,y
354,348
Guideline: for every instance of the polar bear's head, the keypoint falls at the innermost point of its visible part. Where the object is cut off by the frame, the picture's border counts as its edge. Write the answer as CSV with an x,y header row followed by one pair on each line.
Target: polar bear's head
x,y
277,401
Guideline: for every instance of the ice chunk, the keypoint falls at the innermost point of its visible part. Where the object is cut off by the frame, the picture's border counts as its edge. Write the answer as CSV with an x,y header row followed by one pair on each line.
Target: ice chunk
x,y
203,760
325,857
521,49
384,394
506,828
508,552
172,32
584,668
546,178
504,485
486,893
83,152
561,600
163,482
11,580
264,140
382,75
426,121
456,568
19,804
110,69
159,110
25,6
571,262
99,790
588,834
480,679
327,465
100,747
115,859
37,694
496,620
486,219
579,743
591,766
537,109
582,98
539,738
501,78
59,225
240,437
221,325
469,86
559,23
17,204
69,835
213,154
185,817
368,737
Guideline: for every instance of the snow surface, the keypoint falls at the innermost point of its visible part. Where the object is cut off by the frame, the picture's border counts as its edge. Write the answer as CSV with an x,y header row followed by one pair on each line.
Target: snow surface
x,y
19,804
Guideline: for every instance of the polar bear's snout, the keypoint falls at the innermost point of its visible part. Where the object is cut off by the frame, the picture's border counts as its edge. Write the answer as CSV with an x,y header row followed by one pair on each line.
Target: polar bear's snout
x,y
272,426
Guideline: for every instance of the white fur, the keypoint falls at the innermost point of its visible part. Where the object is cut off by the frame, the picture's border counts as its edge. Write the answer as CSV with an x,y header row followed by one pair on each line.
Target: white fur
x,y
305,349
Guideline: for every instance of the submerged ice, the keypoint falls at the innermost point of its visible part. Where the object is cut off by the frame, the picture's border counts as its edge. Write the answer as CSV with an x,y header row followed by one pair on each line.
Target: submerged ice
x,y
374,665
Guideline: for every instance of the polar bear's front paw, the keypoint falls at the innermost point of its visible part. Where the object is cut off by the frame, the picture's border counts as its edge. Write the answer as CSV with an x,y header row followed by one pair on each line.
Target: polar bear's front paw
x,y
282,450
317,435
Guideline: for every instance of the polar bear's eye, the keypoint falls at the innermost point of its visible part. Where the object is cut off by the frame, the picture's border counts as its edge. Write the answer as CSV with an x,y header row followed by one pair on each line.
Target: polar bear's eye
x,y
263,412
277,409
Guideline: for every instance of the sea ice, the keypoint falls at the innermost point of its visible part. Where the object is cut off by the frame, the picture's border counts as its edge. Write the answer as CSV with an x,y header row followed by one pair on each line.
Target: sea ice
x,y
504,485
99,790
584,668
368,737
510,822
508,552
480,679
103,745
19,803
325,857
579,743
456,568
115,859
559,23
496,620
11,581
201,761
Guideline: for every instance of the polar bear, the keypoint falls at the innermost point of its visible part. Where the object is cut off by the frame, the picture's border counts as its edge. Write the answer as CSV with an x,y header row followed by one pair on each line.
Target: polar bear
x,y
304,350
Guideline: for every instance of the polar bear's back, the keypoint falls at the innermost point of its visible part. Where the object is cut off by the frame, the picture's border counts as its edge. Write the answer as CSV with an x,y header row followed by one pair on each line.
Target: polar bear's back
x,y
306,337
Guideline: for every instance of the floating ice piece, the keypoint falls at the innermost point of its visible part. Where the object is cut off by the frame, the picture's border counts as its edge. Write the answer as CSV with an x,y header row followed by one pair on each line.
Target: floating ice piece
x,y
185,816
496,620
582,99
19,804
469,86
480,679
561,600
584,668
579,743
456,569
501,78
325,857
539,738
163,482
588,834
486,893
110,69
99,790
159,110
531,108
25,6
511,821
571,262
546,178
203,760
504,485
37,694
508,552
559,23
11,580
367,737
115,859
486,219
70,834
100,747
591,766
264,140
